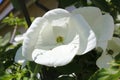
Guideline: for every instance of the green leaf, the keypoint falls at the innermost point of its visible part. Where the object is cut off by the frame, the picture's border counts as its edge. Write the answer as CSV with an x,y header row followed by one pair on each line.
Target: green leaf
x,y
106,74
16,4
102,4
81,3
65,3
31,66
1,69
1,40
6,77
117,57
116,4
116,62
14,21
70,68
25,78
6,39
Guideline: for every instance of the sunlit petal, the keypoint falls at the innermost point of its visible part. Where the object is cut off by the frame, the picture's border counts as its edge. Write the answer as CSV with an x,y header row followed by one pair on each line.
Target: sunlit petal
x,y
104,27
87,36
104,61
58,56
56,14
89,13
91,42
31,37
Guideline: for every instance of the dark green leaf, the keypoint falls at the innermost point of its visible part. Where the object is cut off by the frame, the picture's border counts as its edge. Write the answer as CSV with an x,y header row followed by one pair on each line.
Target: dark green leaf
x,y
102,4
106,74
117,57
70,68
116,3
6,77
65,3
16,4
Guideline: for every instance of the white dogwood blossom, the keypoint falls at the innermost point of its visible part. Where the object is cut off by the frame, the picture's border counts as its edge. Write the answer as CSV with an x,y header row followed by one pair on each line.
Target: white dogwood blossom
x,y
55,38
113,49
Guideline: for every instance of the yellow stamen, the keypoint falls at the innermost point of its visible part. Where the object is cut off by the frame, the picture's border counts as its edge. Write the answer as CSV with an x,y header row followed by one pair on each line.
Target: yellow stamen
x,y
59,39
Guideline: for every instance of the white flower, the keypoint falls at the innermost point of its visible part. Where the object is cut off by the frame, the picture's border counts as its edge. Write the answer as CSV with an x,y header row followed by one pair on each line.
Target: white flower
x,y
55,38
18,39
113,48
102,25
19,58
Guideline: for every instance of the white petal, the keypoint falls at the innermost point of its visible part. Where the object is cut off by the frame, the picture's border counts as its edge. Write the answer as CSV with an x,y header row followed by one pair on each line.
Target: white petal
x,y
56,14
89,13
104,60
87,36
102,44
58,56
18,57
71,30
60,27
91,42
104,27
31,37
19,38
45,36
114,45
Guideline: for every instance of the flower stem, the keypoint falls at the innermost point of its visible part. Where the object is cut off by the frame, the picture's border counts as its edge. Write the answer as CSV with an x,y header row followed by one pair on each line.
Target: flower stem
x,y
13,34
36,70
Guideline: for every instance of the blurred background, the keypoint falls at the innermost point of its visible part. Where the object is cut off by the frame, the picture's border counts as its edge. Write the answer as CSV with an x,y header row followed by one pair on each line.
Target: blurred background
x,y
34,8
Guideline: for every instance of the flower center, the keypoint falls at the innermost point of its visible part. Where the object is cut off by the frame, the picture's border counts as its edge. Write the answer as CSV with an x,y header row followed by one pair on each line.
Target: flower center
x,y
59,39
